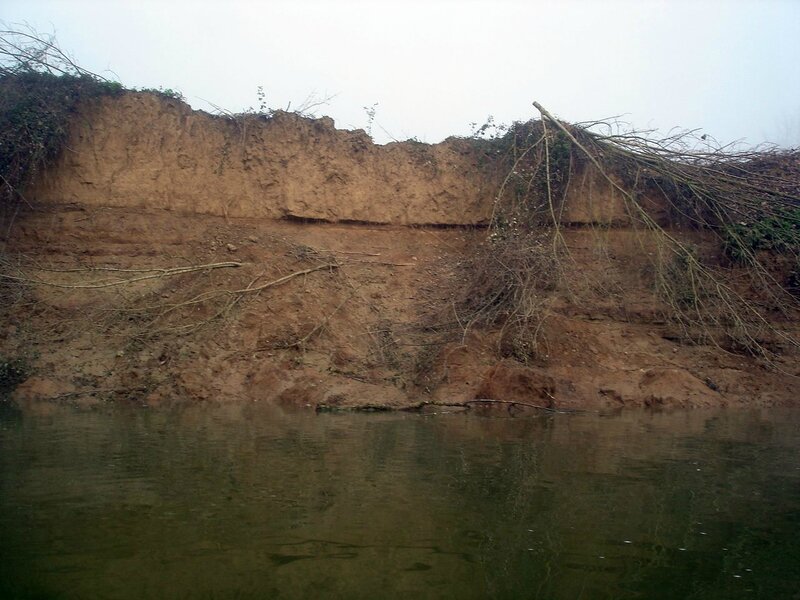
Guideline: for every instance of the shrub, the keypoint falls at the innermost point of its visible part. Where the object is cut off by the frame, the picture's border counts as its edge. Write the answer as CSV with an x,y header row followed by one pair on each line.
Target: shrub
x,y
507,283
35,113
778,233
163,92
12,372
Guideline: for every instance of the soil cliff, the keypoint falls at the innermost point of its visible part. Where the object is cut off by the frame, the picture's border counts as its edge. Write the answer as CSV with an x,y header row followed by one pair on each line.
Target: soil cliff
x,y
142,150
172,255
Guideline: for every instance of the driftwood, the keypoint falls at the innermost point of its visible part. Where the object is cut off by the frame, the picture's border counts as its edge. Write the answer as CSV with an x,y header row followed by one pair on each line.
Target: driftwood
x,y
510,403
420,405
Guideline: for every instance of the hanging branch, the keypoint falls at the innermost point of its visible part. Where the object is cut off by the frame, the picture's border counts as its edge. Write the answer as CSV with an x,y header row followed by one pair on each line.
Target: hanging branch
x,y
748,199
28,51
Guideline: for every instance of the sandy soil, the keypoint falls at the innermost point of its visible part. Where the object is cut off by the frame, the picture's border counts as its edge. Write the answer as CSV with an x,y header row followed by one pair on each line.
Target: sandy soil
x,y
350,334
366,246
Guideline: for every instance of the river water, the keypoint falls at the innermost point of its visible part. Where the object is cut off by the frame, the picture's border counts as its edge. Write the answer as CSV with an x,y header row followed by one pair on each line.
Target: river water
x,y
247,502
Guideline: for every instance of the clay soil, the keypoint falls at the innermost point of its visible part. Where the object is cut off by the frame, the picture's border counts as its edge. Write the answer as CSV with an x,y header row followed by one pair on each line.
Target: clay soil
x,y
369,326
367,247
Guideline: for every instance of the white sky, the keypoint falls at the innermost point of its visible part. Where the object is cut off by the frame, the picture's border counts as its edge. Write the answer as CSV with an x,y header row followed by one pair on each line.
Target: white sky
x,y
729,67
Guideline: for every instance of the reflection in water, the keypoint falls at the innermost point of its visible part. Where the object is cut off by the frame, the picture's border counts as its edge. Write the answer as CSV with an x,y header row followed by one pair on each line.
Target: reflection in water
x,y
242,501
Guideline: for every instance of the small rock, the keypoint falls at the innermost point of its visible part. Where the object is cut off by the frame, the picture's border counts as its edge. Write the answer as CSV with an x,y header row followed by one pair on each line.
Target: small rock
x,y
231,248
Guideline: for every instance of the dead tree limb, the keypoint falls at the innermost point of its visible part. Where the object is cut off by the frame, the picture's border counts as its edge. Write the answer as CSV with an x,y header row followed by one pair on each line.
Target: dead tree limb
x,y
161,273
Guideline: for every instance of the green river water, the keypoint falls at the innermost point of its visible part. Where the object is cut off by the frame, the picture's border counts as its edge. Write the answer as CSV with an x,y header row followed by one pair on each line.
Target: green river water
x,y
248,502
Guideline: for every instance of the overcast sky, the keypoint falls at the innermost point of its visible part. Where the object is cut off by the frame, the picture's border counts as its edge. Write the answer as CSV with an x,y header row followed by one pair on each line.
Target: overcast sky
x,y
731,68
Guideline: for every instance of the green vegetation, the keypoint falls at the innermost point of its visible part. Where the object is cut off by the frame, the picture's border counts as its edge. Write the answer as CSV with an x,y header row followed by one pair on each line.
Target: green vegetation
x,y
41,89
163,92
778,233
676,280
13,371
35,114
666,188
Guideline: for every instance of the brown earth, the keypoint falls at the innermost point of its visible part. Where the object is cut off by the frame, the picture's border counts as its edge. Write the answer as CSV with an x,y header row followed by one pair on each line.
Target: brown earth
x,y
366,346
145,151
141,150
149,184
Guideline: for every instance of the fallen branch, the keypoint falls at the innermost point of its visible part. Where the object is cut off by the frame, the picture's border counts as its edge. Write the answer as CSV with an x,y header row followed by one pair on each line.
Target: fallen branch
x,y
382,262
356,253
419,405
237,294
284,279
320,326
159,274
510,403
95,391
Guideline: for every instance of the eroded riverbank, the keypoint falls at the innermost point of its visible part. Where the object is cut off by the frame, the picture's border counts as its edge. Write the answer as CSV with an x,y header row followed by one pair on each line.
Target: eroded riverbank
x,y
363,317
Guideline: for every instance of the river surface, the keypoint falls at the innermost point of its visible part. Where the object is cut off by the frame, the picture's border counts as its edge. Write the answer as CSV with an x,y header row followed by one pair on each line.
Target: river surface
x,y
247,502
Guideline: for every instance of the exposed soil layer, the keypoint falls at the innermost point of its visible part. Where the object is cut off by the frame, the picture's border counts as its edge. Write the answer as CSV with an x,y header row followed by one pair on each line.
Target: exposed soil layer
x,y
329,278
143,150
339,337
